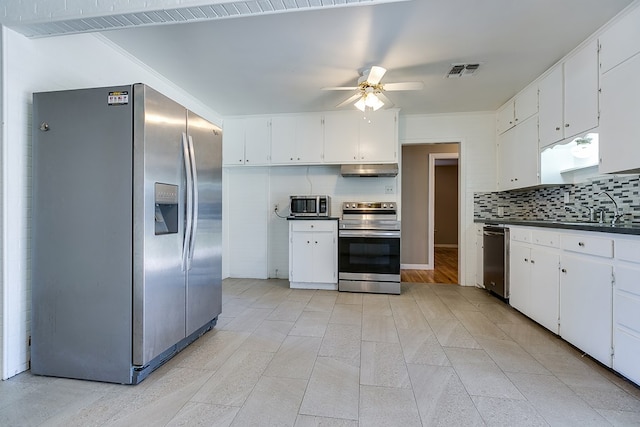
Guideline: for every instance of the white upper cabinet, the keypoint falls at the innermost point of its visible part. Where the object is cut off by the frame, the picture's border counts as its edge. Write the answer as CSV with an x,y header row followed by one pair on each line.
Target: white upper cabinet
x,y
619,129
378,140
506,117
246,141
581,91
350,138
526,104
341,133
621,41
518,156
550,113
568,98
297,139
517,110
619,100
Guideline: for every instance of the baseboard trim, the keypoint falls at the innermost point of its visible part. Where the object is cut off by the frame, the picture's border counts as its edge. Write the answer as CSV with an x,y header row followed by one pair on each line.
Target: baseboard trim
x,y
416,267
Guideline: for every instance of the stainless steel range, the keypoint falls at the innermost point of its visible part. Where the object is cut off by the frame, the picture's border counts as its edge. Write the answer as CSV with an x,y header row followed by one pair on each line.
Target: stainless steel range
x,y
369,248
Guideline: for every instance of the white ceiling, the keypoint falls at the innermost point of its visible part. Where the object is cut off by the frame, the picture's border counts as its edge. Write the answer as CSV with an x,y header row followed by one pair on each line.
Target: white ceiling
x,y
278,63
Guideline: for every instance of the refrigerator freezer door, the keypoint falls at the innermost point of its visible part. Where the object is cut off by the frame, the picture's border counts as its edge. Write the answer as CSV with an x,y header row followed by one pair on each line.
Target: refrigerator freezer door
x,y
204,295
159,282
82,216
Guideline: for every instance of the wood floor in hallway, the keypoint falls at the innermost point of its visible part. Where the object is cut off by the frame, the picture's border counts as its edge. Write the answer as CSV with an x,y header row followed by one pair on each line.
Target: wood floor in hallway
x,y
445,271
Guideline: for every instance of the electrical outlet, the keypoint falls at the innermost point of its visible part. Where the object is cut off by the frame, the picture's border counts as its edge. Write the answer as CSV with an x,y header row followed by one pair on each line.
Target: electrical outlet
x,y
388,189
500,210
566,196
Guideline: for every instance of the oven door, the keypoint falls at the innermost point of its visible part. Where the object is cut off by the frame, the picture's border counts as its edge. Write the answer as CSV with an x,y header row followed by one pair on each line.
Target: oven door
x,y
372,255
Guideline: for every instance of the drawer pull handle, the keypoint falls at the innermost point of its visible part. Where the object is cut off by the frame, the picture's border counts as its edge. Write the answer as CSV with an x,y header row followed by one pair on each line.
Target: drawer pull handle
x,y
564,270
581,244
533,261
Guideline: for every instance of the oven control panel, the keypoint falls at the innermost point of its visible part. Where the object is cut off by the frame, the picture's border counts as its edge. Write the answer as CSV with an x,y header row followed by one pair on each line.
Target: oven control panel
x,y
369,207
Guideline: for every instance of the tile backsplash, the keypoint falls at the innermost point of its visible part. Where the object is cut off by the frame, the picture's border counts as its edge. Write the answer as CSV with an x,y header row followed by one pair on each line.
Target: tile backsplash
x,y
553,203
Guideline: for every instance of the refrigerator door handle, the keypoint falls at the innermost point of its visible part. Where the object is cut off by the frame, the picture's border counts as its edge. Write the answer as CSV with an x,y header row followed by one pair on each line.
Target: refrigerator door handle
x,y
189,213
194,210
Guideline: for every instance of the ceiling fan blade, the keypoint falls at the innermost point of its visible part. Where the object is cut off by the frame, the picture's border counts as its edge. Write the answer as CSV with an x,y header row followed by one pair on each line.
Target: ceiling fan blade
x,y
387,102
375,75
340,88
404,86
349,100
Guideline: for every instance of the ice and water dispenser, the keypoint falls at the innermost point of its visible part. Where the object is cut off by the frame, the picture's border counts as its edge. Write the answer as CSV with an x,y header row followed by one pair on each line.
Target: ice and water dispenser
x,y
166,200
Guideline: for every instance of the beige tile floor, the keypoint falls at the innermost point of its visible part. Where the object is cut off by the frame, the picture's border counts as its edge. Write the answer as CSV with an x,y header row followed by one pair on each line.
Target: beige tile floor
x,y
435,355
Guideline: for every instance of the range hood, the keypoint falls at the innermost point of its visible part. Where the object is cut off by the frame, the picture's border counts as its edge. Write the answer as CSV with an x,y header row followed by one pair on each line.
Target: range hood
x,y
371,170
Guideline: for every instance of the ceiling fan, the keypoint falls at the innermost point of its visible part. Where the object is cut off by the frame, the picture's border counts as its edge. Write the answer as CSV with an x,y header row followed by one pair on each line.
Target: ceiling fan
x,y
369,92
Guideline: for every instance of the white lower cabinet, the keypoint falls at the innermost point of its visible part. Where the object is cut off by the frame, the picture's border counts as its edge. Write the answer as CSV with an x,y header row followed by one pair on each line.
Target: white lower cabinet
x,y
313,254
586,294
534,278
583,286
626,306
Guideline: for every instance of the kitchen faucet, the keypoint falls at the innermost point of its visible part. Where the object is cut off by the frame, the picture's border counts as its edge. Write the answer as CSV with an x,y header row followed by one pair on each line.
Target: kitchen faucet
x,y
616,214
592,211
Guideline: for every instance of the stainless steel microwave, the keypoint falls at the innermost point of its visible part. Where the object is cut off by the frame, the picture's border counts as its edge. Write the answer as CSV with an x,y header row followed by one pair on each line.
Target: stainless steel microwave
x,y
310,205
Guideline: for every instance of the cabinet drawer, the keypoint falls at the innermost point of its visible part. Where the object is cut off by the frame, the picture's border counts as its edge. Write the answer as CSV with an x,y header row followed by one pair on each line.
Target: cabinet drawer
x,y
597,246
545,238
313,225
626,313
627,281
520,235
628,250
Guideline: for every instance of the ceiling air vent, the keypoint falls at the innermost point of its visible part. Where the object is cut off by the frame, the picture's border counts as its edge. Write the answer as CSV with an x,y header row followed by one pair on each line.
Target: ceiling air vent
x,y
462,70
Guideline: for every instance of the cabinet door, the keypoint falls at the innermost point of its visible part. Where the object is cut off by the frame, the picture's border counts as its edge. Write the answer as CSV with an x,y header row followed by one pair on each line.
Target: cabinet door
x,y
585,305
283,139
233,142
520,277
581,91
620,41
527,157
550,110
257,141
526,104
619,130
544,300
301,268
341,137
505,117
378,137
309,138
626,322
324,257
506,159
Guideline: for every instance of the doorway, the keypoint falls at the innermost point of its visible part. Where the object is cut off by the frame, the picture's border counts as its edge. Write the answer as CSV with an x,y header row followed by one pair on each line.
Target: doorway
x,y
430,213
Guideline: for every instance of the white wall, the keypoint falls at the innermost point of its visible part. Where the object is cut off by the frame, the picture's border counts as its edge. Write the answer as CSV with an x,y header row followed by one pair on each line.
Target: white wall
x,y
250,194
476,133
32,65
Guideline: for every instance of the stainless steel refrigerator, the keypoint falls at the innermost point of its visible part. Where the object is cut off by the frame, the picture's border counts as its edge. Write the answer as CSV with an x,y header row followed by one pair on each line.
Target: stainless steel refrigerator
x,y
126,237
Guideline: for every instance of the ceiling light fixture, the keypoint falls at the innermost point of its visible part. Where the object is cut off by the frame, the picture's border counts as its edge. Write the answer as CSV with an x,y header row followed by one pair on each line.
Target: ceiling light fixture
x,y
369,101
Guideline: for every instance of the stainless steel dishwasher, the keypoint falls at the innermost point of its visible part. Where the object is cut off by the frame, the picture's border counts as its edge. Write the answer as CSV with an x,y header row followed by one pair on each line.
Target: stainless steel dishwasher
x,y
495,239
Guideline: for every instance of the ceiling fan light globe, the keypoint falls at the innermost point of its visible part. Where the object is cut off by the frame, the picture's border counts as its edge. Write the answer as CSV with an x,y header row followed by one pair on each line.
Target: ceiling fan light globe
x,y
360,105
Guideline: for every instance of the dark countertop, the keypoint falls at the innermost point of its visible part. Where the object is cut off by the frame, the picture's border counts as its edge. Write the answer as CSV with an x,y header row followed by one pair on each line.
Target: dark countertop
x,y
621,228
315,218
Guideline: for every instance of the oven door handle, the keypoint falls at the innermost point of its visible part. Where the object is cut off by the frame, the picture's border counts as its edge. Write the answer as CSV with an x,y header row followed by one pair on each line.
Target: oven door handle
x,y
369,233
